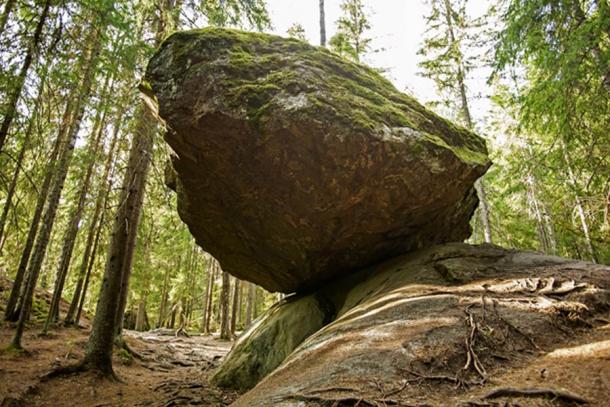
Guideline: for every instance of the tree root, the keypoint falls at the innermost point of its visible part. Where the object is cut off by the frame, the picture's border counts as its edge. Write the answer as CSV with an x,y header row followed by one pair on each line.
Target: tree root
x,y
80,367
421,377
471,356
181,332
62,371
355,401
14,350
534,392
121,343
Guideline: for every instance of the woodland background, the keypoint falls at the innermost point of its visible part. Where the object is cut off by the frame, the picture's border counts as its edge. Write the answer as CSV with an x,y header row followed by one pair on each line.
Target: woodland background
x,y
70,115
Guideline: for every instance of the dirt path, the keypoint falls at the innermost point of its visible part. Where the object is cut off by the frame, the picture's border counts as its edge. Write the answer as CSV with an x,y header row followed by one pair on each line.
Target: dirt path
x,y
172,371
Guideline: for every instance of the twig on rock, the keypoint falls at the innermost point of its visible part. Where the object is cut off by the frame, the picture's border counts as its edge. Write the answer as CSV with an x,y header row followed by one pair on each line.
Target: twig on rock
x,y
421,376
535,391
471,355
355,400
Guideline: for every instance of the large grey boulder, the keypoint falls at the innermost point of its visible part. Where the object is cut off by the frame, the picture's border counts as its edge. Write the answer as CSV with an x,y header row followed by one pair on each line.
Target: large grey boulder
x,y
294,166
444,326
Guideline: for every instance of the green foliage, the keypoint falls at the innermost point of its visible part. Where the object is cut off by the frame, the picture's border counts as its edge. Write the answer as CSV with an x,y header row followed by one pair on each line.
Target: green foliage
x,y
296,31
235,13
350,41
549,189
164,246
444,51
554,57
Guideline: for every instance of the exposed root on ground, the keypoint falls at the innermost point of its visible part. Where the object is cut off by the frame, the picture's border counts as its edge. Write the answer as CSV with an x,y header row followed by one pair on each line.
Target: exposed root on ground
x,y
536,392
472,359
352,401
81,367
181,332
121,343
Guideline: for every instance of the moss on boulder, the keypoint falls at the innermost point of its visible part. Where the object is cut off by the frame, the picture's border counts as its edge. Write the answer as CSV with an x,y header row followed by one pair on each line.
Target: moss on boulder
x,y
294,166
270,340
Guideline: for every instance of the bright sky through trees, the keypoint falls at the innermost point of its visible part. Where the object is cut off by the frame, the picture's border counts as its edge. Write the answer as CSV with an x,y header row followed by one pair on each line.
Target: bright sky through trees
x,y
397,29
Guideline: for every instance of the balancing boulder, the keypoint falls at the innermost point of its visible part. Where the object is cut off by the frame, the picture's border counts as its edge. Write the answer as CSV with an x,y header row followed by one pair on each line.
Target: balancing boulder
x,y
294,166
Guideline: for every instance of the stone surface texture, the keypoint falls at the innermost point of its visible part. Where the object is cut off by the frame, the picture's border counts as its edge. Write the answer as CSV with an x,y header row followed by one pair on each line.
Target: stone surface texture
x,y
294,166
422,329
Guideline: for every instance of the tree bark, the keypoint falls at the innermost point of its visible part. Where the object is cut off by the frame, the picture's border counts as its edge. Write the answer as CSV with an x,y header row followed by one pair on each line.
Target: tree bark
x,y
225,329
120,252
12,310
164,298
25,145
235,307
461,77
71,232
250,304
13,99
101,198
8,8
141,316
207,313
94,46
483,210
89,270
579,205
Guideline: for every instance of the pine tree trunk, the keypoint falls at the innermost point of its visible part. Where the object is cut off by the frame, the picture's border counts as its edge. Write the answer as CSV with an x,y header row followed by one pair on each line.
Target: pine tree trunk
x,y
120,252
101,198
172,320
225,329
164,298
240,305
478,185
13,99
322,24
59,179
12,310
141,316
545,228
89,270
483,210
25,145
8,8
69,238
235,307
579,205
209,294
250,304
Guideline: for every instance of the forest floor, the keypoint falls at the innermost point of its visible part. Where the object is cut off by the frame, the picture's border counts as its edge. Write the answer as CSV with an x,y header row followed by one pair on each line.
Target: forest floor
x,y
170,371
174,371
